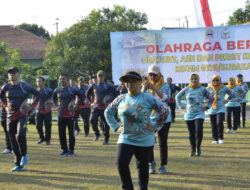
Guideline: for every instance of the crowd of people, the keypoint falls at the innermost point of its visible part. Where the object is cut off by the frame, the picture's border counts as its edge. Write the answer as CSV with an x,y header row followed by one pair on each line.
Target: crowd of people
x,y
138,109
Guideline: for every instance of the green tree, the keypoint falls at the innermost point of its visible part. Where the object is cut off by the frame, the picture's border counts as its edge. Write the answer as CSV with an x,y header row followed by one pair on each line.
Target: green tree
x,y
240,16
10,58
85,47
35,29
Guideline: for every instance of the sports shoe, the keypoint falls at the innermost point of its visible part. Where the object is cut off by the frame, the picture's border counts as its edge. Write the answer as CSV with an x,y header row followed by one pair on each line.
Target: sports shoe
x,y
198,153
192,153
97,137
25,160
163,170
41,141
234,132
7,151
71,153
152,167
17,169
47,142
228,131
78,132
221,141
215,142
86,135
64,153
105,143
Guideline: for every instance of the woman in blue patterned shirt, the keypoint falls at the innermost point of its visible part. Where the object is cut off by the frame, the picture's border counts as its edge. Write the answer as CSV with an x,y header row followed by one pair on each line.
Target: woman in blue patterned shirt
x,y
136,130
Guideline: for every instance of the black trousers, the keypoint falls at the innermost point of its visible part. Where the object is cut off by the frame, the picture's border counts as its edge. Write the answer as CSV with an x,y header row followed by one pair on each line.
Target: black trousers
x,y
172,108
195,129
124,156
163,143
63,123
46,119
217,125
17,133
243,112
236,117
95,114
7,138
84,113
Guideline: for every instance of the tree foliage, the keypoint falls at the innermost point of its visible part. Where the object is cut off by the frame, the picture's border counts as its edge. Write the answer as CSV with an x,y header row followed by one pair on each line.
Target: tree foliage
x,y
10,58
85,47
240,16
35,29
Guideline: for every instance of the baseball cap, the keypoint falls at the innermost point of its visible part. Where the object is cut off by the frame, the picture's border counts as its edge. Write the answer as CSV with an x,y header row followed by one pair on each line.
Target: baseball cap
x,y
13,69
100,73
154,69
81,79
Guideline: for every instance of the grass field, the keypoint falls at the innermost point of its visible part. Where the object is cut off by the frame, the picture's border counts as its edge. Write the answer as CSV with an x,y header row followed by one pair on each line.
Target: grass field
x,y
224,166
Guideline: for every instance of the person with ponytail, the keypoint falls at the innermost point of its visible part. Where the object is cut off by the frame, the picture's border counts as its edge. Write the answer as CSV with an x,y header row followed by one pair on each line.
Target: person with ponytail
x,y
233,105
194,111
217,111
239,82
136,130
161,90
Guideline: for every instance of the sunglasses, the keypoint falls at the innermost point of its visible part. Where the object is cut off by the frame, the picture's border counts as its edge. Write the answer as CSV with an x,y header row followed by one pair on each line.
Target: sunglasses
x,y
100,75
216,80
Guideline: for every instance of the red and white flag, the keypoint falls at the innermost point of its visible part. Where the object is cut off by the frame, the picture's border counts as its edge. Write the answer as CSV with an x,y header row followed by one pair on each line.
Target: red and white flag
x,y
202,13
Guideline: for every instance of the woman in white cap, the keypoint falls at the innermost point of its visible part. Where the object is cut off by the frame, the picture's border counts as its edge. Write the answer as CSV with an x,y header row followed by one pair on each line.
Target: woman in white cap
x,y
136,130
161,90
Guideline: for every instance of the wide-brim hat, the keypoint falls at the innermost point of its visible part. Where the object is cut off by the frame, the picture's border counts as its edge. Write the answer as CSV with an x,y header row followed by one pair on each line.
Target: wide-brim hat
x,y
130,74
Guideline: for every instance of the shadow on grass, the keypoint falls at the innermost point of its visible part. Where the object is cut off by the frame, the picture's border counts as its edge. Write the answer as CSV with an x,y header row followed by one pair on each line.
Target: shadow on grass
x,y
205,179
45,178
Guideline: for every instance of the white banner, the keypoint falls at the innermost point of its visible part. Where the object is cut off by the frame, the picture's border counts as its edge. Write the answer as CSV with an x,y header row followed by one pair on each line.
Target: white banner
x,y
179,52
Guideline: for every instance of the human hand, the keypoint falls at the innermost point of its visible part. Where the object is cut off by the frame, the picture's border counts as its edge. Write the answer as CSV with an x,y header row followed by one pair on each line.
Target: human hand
x,y
184,110
150,127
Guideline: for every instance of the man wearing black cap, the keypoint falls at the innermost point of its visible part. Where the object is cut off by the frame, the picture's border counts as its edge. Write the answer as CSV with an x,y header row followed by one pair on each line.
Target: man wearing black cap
x,y
16,94
103,94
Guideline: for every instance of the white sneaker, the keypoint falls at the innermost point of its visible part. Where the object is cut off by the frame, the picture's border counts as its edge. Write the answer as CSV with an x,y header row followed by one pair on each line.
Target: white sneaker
x,y
234,132
215,142
228,131
221,141
6,151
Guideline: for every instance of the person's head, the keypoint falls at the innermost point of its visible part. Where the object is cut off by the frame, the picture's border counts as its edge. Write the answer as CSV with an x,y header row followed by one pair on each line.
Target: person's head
x,y
240,78
100,76
80,81
153,73
71,82
132,81
63,80
169,80
94,79
13,74
216,80
40,82
111,82
194,79
231,81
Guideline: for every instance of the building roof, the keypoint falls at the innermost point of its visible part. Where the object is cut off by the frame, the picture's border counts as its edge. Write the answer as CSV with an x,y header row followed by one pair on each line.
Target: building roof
x,y
30,45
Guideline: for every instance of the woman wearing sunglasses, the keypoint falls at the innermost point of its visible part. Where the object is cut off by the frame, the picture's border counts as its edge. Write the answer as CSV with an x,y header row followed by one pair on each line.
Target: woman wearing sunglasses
x,y
217,111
